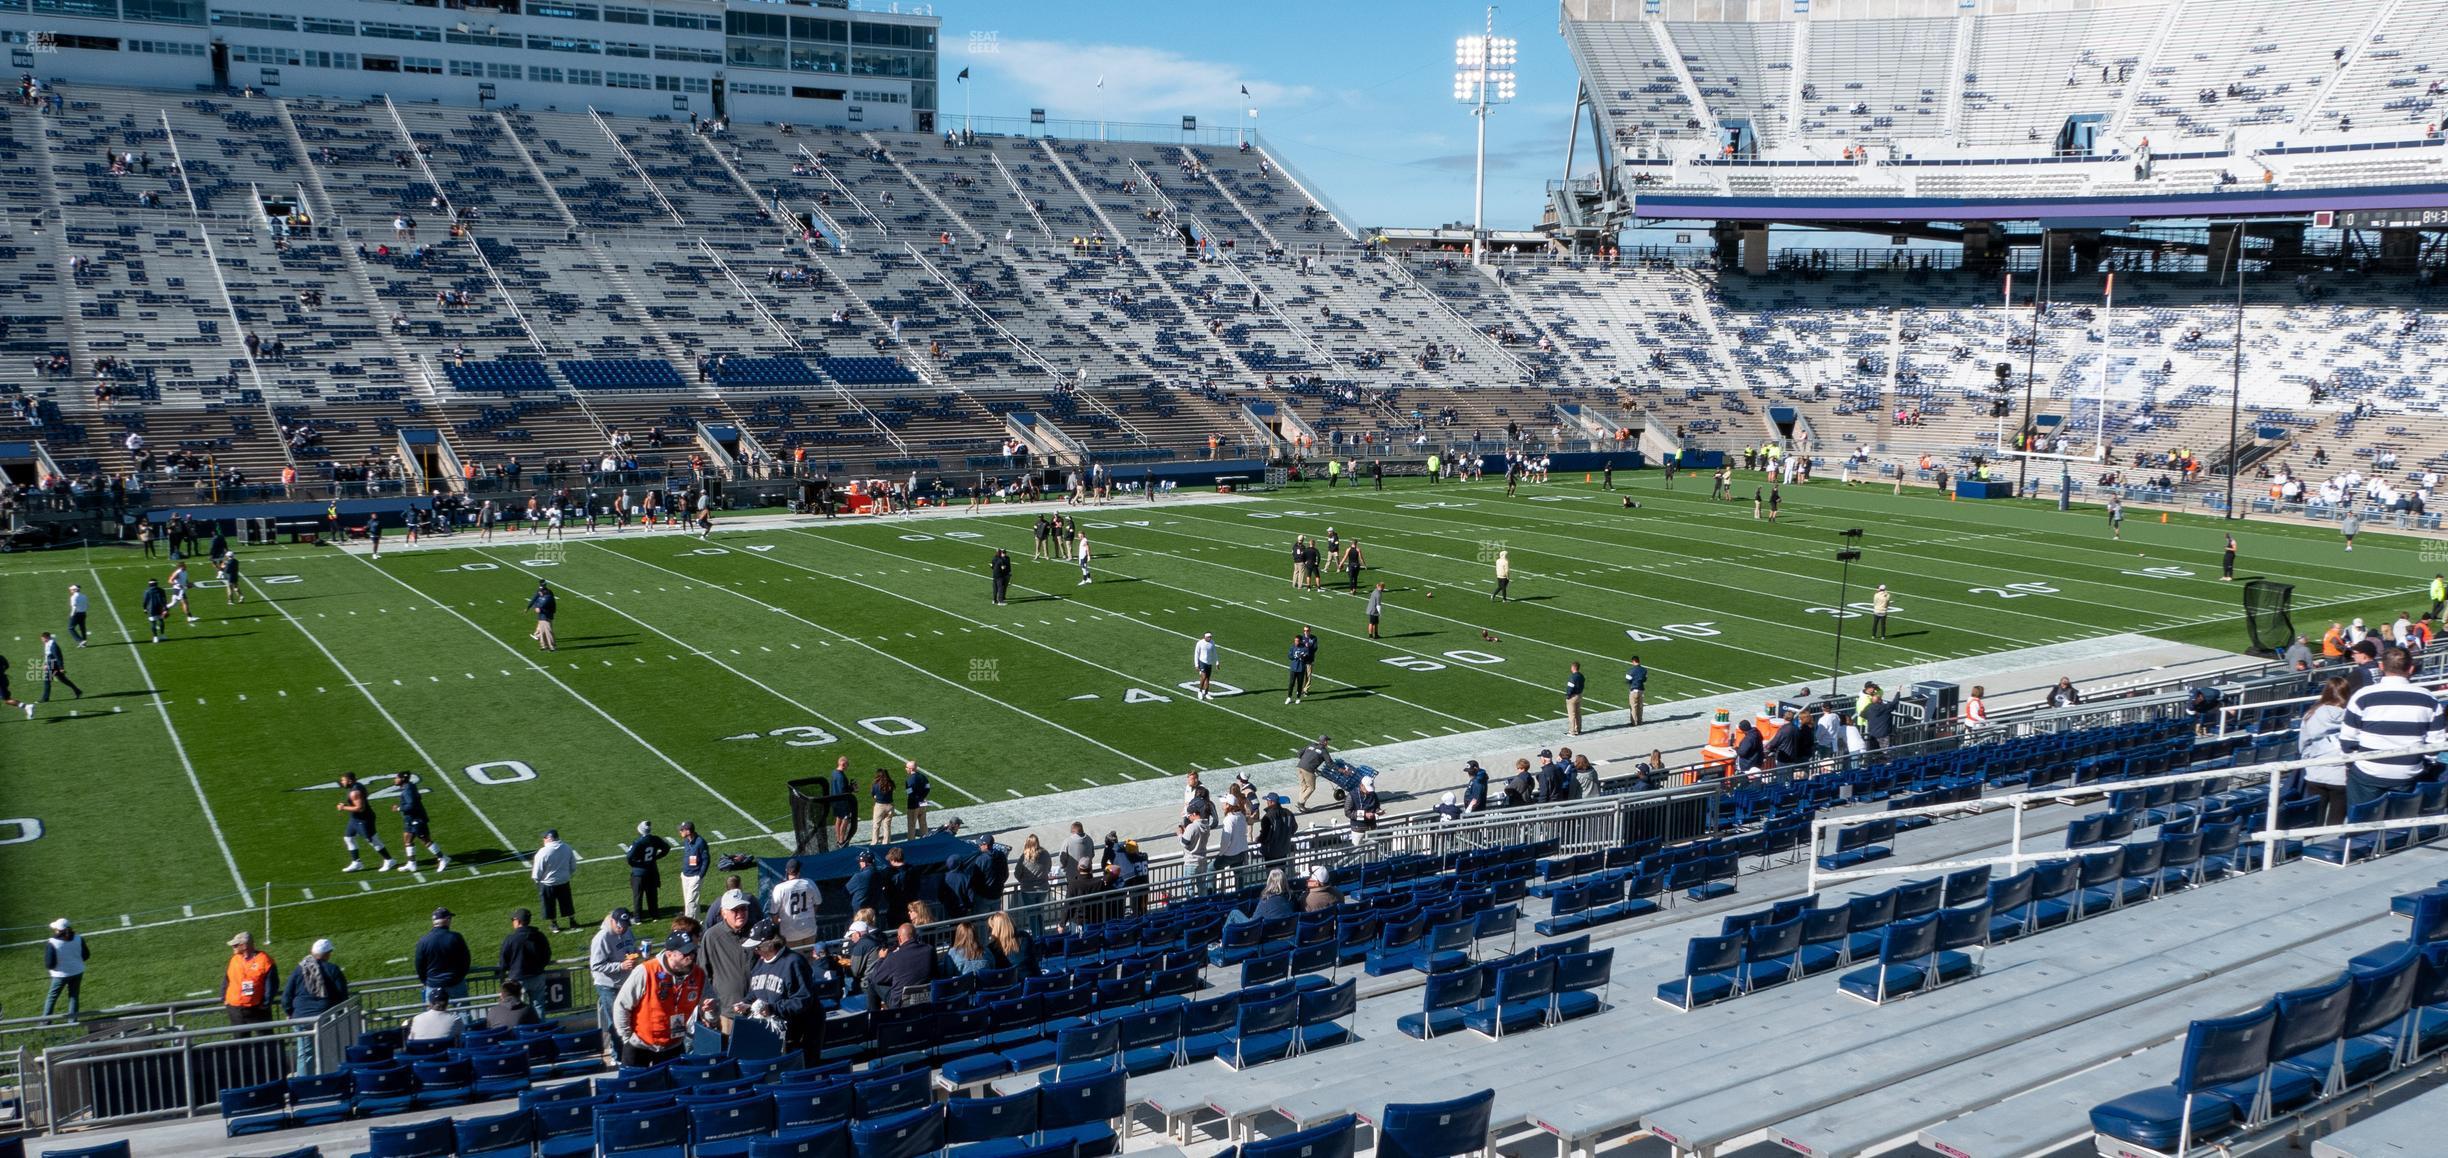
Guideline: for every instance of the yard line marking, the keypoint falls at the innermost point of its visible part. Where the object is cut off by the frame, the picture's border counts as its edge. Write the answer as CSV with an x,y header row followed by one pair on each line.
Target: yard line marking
x,y
591,705
309,896
187,910
176,745
1016,794
1137,620
920,669
365,886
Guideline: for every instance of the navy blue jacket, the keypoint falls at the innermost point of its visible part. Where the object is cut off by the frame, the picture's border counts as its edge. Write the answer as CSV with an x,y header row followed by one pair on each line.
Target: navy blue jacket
x,y
441,958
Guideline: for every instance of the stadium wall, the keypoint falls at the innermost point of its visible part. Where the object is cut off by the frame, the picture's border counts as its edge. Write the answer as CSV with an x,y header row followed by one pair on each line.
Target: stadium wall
x,y
678,57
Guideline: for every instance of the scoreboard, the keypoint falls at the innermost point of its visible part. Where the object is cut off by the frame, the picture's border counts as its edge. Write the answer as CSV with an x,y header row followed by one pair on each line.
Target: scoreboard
x,y
2387,218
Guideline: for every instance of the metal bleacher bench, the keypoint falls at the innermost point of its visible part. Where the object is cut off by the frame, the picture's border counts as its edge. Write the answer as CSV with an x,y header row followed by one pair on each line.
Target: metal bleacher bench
x,y
2404,1130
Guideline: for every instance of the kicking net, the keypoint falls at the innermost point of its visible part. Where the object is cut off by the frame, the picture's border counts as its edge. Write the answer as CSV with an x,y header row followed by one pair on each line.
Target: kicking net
x,y
2265,614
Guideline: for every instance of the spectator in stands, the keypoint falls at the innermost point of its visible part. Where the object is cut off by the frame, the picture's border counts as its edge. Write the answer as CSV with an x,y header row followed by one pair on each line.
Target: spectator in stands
x,y
1009,948
1033,878
906,967
436,1022
246,989
2389,715
610,958
314,986
2316,738
1322,894
525,952
2064,695
659,1003
441,958
966,956
1274,898
723,951
781,988
511,1008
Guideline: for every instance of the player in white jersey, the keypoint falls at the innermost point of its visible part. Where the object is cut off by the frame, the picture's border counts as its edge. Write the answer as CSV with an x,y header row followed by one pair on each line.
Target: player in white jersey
x,y
793,907
179,583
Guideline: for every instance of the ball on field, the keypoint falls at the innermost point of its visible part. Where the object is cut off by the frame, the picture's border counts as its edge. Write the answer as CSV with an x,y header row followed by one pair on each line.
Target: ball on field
x,y
1431,595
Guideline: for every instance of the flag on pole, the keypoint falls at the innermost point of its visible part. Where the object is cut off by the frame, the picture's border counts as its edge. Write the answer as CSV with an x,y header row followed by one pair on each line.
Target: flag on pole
x,y
1245,90
1100,81
964,75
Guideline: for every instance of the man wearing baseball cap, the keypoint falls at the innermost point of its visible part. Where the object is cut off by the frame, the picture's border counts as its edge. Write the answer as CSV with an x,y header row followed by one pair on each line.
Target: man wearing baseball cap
x,y
782,989
611,957
441,958
662,998
1313,759
314,986
246,985
723,953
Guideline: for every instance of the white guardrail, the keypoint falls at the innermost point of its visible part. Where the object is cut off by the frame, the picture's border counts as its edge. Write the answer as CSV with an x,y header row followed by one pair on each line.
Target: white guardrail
x,y
2269,837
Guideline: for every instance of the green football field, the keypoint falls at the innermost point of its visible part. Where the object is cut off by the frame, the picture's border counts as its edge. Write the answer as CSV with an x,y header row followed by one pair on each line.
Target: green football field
x,y
186,795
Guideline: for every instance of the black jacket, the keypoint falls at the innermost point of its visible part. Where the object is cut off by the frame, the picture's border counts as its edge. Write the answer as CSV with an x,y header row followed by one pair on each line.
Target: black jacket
x,y
1878,719
1275,829
441,958
525,954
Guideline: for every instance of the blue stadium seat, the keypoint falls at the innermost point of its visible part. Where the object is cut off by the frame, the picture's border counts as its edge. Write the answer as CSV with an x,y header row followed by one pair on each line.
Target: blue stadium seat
x,y
1519,999
1447,1129
722,1128
2218,1052
510,1135
1324,1016
1903,966
1083,1112
1335,1139
434,1138
911,1133
255,1109
654,1133
829,1141
1711,972
322,1099
991,1127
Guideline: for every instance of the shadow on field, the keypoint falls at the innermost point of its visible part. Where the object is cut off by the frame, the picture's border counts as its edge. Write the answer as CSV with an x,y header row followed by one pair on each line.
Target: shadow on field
x,y
590,642
125,694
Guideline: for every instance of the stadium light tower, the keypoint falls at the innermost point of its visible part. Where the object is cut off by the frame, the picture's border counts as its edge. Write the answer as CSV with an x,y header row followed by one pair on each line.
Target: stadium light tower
x,y
1483,76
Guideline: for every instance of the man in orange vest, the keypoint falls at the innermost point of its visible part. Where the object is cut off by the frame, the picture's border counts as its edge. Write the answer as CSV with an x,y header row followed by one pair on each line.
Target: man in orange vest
x,y
655,1006
246,989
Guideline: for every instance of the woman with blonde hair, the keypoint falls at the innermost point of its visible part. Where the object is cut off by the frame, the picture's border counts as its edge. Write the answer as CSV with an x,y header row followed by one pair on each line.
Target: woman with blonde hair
x,y
1009,947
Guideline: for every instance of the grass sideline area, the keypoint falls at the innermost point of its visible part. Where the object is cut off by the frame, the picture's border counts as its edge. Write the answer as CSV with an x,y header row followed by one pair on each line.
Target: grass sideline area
x,y
189,788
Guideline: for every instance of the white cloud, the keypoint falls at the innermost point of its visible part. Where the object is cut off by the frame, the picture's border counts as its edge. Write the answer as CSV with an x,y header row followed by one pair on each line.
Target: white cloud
x,y
1141,83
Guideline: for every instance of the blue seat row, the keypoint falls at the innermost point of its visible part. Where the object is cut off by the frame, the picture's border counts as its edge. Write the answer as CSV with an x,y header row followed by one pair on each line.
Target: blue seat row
x,y
1543,985
2299,1051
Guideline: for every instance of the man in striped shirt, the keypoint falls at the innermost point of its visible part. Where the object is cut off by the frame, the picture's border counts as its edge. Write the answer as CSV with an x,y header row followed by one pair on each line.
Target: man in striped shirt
x,y
2383,718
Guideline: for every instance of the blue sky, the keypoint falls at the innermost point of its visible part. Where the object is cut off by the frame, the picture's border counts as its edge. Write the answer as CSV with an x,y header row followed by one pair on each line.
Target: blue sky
x,y
1356,94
